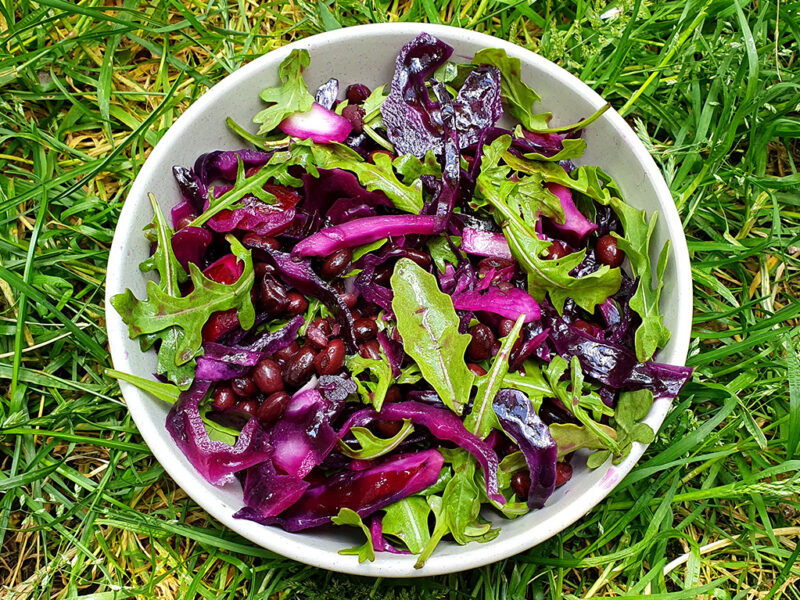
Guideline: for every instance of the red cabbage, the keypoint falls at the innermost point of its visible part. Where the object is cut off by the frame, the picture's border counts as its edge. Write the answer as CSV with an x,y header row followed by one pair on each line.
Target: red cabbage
x,y
532,337
338,195
302,277
216,461
257,216
362,231
224,165
364,491
225,270
182,210
411,118
478,104
444,425
485,243
320,125
190,244
394,352
615,365
520,421
574,222
336,388
510,303
447,193
193,190
327,93
303,437
268,493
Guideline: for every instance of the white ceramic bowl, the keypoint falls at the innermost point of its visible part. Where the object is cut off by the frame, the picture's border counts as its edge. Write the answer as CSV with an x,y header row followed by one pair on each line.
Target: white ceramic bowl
x,y
366,54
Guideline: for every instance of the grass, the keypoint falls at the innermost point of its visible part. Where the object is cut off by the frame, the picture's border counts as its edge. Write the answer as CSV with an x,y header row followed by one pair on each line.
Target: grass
x,y
711,87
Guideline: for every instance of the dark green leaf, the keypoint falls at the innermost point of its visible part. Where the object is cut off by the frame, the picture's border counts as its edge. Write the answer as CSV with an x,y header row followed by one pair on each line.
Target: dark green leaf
x,y
291,96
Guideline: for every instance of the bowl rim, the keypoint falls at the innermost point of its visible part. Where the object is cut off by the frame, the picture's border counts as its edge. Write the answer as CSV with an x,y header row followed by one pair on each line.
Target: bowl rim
x,y
474,555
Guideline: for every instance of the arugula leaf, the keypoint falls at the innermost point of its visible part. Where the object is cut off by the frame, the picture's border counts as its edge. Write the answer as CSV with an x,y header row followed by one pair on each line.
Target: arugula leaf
x,y
519,97
410,168
407,520
291,96
440,529
171,274
571,148
572,395
371,445
163,391
372,105
570,437
372,390
482,419
379,176
552,276
365,551
631,408
160,311
652,334
440,250
428,325
461,498
532,383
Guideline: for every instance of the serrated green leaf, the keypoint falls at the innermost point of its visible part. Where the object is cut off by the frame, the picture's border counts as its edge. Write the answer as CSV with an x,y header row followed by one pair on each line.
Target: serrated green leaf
x,y
570,437
365,552
160,311
517,95
482,419
651,334
408,521
372,389
373,446
291,96
532,383
410,168
571,148
461,499
428,325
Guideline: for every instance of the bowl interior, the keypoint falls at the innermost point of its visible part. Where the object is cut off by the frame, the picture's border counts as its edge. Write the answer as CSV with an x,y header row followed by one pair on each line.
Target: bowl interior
x,y
366,54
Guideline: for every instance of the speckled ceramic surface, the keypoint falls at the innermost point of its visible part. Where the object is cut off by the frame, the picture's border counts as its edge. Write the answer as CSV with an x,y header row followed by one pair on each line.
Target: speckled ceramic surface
x,y
366,54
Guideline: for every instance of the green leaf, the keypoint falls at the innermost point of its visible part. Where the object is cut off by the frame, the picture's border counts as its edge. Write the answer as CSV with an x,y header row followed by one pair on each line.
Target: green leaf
x,y
652,334
291,96
408,520
428,325
553,276
365,551
632,407
440,529
440,250
570,437
373,389
376,176
482,419
532,383
163,391
372,104
365,249
571,148
373,446
410,168
160,311
517,95
596,459
461,499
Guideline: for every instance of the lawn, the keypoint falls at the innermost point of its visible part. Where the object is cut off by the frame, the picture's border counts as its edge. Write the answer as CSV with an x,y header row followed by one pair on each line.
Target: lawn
x,y
711,87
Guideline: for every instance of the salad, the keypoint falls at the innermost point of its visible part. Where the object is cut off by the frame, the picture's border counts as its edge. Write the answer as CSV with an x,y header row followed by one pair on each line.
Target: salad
x,y
397,314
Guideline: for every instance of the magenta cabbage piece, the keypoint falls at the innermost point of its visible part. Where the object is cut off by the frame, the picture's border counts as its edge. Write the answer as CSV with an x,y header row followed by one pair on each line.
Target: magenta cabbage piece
x,y
302,277
485,243
337,195
320,125
194,192
412,119
574,221
225,164
303,437
394,352
615,365
268,493
478,104
362,231
520,421
379,543
180,211
444,425
216,461
190,244
509,304
254,215
532,340
364,491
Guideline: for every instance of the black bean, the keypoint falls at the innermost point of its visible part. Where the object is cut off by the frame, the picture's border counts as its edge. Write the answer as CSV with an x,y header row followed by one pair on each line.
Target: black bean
x,y
336,263
494,263
286,353
478,370
505,327
365,329
480,347
388,428
370,349
393,394
557,250
423,259
272,407
521,484
354,114
331,358
260,242
267,376
244,387
247,406
607,251
224,397
299,368
297,304
356,93
349,299
274,298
